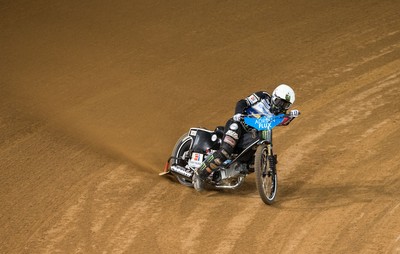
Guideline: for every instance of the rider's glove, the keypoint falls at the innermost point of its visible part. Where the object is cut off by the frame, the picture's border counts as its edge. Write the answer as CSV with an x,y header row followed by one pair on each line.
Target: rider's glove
x,y
237,117
294,113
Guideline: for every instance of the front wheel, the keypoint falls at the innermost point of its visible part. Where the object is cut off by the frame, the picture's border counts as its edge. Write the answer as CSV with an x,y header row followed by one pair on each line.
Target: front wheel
x,y
266,177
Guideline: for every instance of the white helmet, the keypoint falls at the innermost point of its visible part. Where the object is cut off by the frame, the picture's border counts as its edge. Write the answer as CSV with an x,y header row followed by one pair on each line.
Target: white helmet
x,y
282,97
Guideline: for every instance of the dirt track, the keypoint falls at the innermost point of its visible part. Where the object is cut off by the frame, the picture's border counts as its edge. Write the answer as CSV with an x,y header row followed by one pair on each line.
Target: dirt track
x,y
94,95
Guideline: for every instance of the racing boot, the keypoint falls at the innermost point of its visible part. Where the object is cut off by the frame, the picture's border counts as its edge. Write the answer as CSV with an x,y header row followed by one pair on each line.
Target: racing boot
x,y
199,177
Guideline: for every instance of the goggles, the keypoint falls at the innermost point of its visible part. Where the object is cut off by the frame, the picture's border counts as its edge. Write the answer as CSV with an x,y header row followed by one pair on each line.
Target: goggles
x,y
281,103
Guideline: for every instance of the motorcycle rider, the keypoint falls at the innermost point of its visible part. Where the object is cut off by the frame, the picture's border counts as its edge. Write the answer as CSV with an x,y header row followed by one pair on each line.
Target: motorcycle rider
x,y
282,98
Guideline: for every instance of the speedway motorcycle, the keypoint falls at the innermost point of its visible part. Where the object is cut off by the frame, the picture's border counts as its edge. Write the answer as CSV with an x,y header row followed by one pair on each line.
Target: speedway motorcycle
x,y
253,154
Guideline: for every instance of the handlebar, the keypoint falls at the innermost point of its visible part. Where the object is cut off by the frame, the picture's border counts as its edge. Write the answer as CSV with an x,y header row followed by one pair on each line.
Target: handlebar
x,y
254,115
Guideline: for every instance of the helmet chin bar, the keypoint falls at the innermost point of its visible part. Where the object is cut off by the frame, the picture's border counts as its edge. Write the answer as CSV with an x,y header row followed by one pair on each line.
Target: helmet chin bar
x,y
275,110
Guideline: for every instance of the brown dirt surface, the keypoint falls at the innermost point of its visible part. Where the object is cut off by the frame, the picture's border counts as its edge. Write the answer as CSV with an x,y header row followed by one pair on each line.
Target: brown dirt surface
x,y
94,95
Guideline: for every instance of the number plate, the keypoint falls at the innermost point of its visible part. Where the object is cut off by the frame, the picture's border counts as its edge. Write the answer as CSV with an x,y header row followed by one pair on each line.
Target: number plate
x,y
196,160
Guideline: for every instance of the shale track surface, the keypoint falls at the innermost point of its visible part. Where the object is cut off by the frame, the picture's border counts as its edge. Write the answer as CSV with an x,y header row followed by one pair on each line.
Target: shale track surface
x,y
94,94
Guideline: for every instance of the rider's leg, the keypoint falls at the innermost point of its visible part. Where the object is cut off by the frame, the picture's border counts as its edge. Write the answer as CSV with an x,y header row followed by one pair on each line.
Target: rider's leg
x,y
233,131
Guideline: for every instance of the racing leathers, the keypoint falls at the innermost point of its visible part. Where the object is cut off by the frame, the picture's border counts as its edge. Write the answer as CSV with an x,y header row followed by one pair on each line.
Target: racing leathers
x,y
234,130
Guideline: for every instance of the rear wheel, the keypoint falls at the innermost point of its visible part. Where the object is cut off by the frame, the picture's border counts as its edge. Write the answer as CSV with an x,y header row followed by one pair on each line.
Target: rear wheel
x,y
266,177
180,150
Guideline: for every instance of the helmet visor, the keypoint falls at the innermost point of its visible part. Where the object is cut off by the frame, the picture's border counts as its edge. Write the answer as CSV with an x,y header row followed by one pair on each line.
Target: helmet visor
x,y
281,103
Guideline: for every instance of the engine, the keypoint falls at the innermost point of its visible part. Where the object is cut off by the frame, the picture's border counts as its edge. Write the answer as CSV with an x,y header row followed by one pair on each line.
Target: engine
x,y
234,170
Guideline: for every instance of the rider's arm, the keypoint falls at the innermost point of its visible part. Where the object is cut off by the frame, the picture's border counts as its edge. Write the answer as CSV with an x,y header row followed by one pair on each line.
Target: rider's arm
x,y
243,104
286,121
263,95
288,118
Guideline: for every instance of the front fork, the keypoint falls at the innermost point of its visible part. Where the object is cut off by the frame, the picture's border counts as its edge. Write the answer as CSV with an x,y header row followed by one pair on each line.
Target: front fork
x,y
273,159
267,136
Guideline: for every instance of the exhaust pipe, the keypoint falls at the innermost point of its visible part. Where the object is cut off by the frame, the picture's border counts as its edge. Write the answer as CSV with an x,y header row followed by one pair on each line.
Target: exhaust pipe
x,y
187,173
239,182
